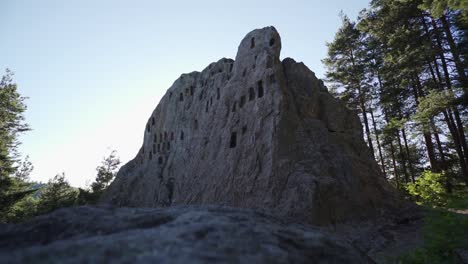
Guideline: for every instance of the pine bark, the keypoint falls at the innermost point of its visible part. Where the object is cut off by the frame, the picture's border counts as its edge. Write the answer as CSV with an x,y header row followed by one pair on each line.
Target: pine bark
x,y
454,50
366,125
444,165
378,144
417,90
402,157
362,105
395,170
458,128
408,157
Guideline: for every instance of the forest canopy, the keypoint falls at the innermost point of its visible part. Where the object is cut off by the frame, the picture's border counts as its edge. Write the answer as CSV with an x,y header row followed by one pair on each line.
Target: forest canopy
x,y
401,64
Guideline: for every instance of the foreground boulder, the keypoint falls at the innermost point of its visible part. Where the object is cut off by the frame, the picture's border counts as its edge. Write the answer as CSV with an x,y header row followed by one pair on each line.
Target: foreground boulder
x,y
197,234
259,133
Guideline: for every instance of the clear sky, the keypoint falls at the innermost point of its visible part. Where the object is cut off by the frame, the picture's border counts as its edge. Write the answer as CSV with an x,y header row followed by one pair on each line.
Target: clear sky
x,y
94,70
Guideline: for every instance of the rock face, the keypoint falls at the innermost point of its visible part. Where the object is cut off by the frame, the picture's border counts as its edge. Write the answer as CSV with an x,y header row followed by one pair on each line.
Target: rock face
x,y
205,234
256,132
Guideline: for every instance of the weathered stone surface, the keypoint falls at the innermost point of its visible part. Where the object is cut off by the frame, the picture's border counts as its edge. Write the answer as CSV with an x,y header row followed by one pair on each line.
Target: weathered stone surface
x,y
197,234
387,239
462,255
256,132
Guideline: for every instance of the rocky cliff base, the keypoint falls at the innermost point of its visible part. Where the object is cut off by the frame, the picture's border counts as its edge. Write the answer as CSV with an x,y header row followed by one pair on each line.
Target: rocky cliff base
x,y
190,234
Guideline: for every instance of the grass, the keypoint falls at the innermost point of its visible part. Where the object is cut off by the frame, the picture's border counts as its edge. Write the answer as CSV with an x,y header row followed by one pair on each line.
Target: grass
x,y
445,229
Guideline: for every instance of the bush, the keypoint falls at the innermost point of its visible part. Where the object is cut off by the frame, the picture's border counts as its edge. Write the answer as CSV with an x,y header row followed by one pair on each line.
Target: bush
x,y
23,210
57,194
428,189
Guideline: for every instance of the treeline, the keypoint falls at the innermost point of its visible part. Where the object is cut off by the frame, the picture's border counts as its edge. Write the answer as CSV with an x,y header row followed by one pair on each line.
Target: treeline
x,y
21,199
402,66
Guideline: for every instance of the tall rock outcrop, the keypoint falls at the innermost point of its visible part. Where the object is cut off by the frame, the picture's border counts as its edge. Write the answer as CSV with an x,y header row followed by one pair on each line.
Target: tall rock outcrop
x,y
258,133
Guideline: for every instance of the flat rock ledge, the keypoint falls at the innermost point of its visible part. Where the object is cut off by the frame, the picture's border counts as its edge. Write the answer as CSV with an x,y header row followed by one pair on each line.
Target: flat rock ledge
x,y
182,234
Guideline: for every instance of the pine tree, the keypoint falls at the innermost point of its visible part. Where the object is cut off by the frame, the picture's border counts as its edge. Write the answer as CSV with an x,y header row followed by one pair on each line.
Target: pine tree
x,y
408,59
12,123
56,194
105,173
345,67
24,169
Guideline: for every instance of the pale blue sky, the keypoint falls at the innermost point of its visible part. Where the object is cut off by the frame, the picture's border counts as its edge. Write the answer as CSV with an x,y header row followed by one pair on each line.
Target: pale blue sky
x,y
95,70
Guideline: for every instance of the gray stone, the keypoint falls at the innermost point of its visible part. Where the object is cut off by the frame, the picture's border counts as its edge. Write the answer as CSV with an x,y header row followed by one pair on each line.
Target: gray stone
x,y
462,255
184,234
387,239
258,133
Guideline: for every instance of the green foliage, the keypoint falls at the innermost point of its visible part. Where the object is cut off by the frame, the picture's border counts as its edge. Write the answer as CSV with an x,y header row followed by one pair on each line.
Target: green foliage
x,y
431,105
443,232
105,174
428,189
13,201
458,200
439,7
19,201
24,169
22,210
406,59
12,123
86,196
344,62
390,60
394,125
56,194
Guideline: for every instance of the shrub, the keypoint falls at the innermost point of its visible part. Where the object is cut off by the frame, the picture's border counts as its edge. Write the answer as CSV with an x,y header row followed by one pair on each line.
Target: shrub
x,y
429,189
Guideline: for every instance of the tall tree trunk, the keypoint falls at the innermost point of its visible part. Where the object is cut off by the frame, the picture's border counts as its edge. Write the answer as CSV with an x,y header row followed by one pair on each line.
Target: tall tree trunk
x,y
408,157
459,146
378,144
430,151
434,78
362,104
440,51
461,133
459,127
417,90
366,124
402,158
395,169
392,152
456,128
443,163
463,166
454,50
452,128
444,166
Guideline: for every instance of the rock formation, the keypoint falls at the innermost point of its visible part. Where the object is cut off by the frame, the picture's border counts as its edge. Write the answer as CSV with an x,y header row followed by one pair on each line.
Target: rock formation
x,y
258,133
192,234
